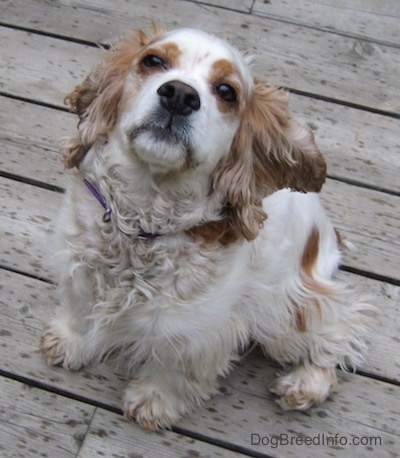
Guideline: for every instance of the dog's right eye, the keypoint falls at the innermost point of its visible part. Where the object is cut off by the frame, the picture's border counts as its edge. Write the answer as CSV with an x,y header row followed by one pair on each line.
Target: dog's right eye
x,y
227,93
152,61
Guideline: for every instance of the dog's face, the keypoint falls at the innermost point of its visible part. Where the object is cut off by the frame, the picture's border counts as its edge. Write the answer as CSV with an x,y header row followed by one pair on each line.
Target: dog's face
x,y
183,99
186,100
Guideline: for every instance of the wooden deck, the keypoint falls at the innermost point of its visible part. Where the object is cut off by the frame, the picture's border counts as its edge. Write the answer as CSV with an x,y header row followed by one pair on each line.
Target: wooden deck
x,y
341,61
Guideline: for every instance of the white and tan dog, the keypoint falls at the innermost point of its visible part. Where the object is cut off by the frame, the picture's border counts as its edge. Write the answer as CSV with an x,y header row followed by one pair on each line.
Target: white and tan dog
x,y
191,227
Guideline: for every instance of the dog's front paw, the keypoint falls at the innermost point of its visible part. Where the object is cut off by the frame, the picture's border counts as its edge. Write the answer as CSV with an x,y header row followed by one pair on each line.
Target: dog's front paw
x,y
149,407
303,387
61,346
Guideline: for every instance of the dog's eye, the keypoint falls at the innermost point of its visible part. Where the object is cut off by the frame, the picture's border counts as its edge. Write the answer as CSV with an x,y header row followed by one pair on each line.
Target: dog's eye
x,y
226,92
152,61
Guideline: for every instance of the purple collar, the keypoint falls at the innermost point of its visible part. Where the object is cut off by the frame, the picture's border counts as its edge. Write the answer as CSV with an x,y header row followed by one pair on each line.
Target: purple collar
x,y
107,210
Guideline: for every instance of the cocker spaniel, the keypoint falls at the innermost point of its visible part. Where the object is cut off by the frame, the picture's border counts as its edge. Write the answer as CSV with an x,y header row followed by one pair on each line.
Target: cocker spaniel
x,y
191,227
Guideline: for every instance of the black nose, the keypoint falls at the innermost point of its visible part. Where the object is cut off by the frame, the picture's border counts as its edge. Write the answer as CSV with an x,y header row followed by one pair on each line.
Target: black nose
x,y
179,98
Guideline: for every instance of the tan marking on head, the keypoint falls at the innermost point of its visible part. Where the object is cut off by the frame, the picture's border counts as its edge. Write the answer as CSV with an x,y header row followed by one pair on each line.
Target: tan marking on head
x,y
223,68
224,72
168,52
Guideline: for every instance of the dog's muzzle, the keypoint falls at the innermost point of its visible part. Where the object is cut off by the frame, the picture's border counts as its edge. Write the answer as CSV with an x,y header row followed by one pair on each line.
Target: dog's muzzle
x,y
171,121
167,137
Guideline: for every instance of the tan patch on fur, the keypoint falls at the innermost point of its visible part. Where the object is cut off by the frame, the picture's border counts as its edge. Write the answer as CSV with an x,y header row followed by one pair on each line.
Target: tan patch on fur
x,y
309,259
224,72
215,232
168,52
302,312
299,317
310,253
300,321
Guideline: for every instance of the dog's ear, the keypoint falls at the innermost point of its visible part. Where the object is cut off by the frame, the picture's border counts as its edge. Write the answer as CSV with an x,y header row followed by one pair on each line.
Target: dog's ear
x,y
97,98
270,151
285,154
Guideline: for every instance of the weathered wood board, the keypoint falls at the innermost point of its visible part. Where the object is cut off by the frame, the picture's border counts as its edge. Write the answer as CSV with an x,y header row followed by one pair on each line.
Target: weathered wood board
x,y
306,59
110,435
36,423
368,19
325,51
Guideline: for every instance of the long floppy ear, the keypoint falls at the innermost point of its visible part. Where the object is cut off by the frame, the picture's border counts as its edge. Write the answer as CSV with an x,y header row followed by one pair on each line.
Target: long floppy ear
x,y
270,151
97,98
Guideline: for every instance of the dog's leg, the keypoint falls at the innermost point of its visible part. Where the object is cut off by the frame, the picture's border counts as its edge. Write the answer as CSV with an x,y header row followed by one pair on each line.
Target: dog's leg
x,y
68,340
154,401
304,386
159,395
315,324
325,332
62,346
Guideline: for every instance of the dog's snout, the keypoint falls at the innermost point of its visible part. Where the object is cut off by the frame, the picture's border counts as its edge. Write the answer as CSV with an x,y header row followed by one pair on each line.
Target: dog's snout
x,y
179,98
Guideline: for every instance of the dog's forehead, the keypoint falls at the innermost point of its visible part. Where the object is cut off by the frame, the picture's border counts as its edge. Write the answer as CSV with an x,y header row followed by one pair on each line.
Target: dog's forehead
x,y
200,46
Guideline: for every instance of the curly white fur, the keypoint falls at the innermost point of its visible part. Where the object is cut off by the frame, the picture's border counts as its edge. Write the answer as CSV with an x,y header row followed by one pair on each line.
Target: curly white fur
x,y
238,258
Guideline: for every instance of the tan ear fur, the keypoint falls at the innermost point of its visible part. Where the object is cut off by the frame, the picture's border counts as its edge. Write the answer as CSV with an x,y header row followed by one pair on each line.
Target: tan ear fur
x,y
270,151
235,178
285,153
97,98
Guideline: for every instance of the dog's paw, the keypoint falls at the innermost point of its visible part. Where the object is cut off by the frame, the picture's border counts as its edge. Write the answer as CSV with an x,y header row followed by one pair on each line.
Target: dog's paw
x,y
61,346
303,387
149,407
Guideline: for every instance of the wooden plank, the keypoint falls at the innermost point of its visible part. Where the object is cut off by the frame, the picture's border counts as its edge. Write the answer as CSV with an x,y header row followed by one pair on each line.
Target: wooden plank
x,y
40,68
357,144
238,5
299,57
27,215
26,304
111,435
367,218
242,408
367,19
35,423
383,357
30,140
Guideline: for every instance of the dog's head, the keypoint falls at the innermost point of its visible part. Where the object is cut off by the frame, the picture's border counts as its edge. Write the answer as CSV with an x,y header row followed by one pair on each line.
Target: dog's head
x,y
185,100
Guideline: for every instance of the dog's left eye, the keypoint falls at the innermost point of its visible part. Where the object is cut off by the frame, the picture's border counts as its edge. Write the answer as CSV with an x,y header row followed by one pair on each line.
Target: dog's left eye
x,y
152,61
226,92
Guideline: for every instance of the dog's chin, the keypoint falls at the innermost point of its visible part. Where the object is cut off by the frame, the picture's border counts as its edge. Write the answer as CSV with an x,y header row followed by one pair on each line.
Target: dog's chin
x,y
162,149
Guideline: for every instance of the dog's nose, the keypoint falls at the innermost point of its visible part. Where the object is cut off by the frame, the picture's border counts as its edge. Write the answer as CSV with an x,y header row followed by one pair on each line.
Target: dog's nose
x,y
179,98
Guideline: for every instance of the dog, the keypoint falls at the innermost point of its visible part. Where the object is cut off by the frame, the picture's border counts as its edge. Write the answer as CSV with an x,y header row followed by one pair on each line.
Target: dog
x,y
192,227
